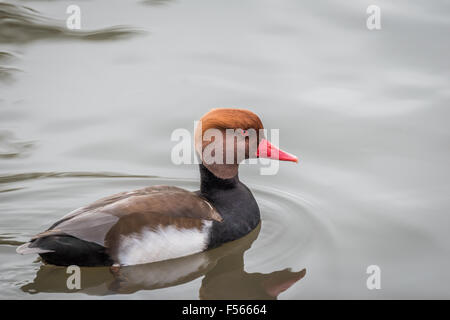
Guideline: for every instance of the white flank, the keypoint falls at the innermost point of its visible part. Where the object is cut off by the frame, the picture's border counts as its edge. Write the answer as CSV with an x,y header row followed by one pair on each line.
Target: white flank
x,y
162,244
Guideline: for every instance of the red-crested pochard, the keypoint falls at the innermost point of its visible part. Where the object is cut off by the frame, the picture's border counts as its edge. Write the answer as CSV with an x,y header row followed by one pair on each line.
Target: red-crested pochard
x,y
164,222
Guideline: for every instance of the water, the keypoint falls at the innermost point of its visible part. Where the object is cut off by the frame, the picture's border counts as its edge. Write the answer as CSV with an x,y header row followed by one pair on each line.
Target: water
x,y
86,114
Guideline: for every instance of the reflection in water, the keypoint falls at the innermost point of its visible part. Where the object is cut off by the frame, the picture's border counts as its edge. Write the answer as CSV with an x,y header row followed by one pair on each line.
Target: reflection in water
x,y
8,239
6,56
222,268
10,147
19,24
7,72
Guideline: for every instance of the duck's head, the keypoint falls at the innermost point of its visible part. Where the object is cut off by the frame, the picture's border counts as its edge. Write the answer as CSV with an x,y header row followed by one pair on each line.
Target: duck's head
x,y
225,137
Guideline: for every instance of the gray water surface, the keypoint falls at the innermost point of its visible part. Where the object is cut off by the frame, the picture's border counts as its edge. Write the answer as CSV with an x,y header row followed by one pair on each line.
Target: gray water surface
x,y
85,114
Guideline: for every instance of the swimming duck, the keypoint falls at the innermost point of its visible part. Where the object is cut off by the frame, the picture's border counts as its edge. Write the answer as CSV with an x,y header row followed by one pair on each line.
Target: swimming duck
x,y
165,222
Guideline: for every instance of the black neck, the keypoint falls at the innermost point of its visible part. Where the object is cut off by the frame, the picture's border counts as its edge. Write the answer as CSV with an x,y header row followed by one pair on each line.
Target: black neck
x,y
209,182
235,203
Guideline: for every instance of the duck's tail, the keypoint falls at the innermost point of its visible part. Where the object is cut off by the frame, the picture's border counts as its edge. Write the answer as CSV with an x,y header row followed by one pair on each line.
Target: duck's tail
x,y
26,248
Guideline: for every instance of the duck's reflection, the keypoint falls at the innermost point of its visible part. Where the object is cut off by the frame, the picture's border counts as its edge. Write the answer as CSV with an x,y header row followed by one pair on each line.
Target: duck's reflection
x,y
222,268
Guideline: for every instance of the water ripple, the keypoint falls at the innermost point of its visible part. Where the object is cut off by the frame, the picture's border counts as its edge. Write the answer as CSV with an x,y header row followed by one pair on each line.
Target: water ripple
x,y
10,147
288,233
20,24
80,174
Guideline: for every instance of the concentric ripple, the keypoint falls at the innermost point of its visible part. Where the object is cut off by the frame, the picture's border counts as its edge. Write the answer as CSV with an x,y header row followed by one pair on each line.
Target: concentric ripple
x,y
290,232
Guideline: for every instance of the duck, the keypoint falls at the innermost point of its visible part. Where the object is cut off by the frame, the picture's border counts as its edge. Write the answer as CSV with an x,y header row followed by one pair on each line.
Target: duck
x,y
159,223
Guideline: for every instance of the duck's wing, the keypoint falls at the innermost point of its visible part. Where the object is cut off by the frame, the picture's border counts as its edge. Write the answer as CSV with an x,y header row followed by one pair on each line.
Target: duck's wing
x,y
105,220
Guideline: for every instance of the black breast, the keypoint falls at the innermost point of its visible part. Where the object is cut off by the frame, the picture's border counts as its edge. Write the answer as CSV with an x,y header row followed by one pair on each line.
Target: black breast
x,y
235,203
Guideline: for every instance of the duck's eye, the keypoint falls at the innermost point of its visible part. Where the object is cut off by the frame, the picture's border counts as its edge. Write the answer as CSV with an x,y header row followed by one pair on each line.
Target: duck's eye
x,y
244,133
